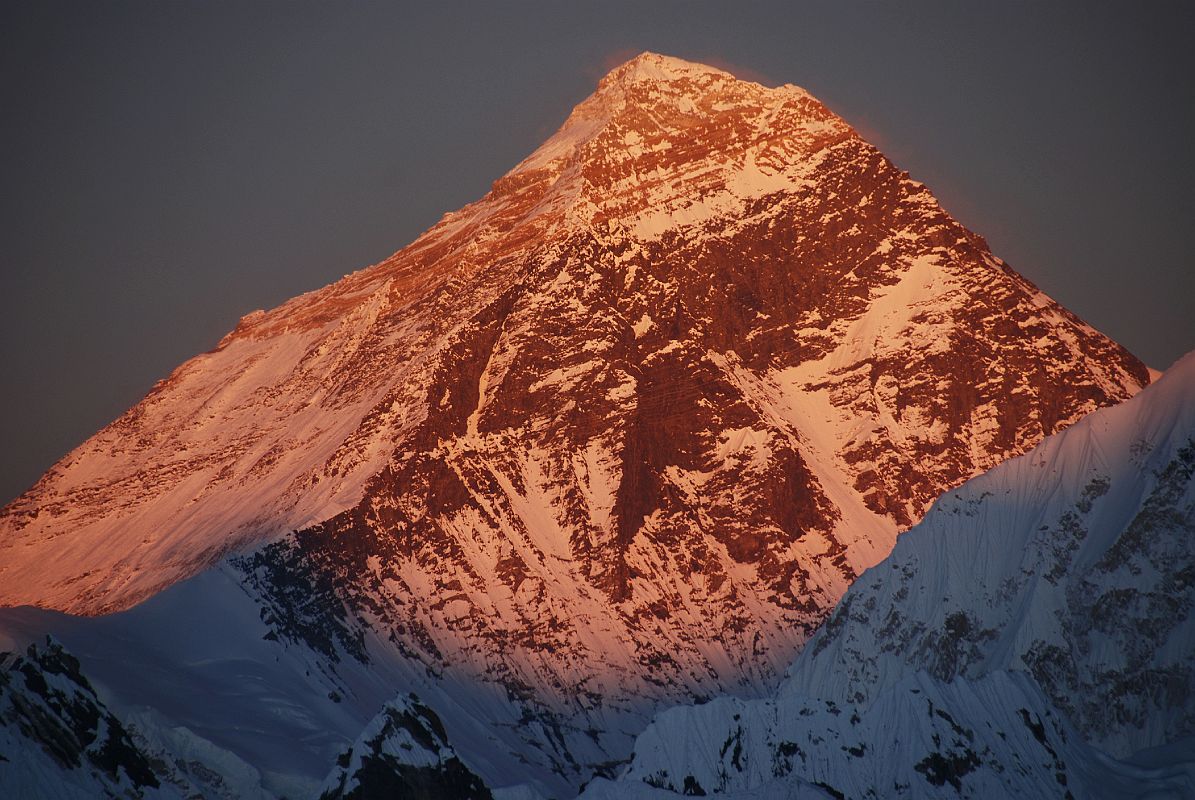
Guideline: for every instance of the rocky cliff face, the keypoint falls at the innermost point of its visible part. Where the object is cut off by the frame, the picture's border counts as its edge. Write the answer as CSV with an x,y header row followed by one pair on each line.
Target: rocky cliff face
x,y
58,739
623,430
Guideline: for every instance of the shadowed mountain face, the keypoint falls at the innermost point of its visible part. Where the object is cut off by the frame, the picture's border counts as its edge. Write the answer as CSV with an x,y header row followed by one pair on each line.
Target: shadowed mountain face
x,y
623,430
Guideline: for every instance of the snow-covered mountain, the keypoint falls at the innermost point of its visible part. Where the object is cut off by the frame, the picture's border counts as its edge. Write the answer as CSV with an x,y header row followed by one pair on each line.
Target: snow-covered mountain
x,y
403,752
1035,627
58,739
619,434
696,273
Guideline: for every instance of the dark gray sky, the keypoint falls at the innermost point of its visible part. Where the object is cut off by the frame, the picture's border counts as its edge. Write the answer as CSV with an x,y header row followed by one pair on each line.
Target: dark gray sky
x,y
168,167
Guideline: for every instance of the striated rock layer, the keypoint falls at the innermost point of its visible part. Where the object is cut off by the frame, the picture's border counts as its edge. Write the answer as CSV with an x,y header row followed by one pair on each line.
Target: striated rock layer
x,y
624,429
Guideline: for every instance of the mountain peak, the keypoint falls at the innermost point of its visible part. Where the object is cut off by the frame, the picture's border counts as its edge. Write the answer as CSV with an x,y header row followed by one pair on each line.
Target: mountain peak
x,y
621,432
658,128
648,66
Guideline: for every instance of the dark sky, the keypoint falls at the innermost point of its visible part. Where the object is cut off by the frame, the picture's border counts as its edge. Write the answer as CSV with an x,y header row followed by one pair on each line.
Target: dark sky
x,y
169,167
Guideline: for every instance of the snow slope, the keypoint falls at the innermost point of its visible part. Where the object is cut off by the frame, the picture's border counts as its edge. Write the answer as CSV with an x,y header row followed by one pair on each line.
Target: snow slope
x,y
1074,563
993,736
1032,629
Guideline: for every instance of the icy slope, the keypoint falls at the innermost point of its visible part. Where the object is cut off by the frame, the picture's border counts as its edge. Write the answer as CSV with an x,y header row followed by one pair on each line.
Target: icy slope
x,y
994,736
1075,563
191,670
1036,619
202,678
